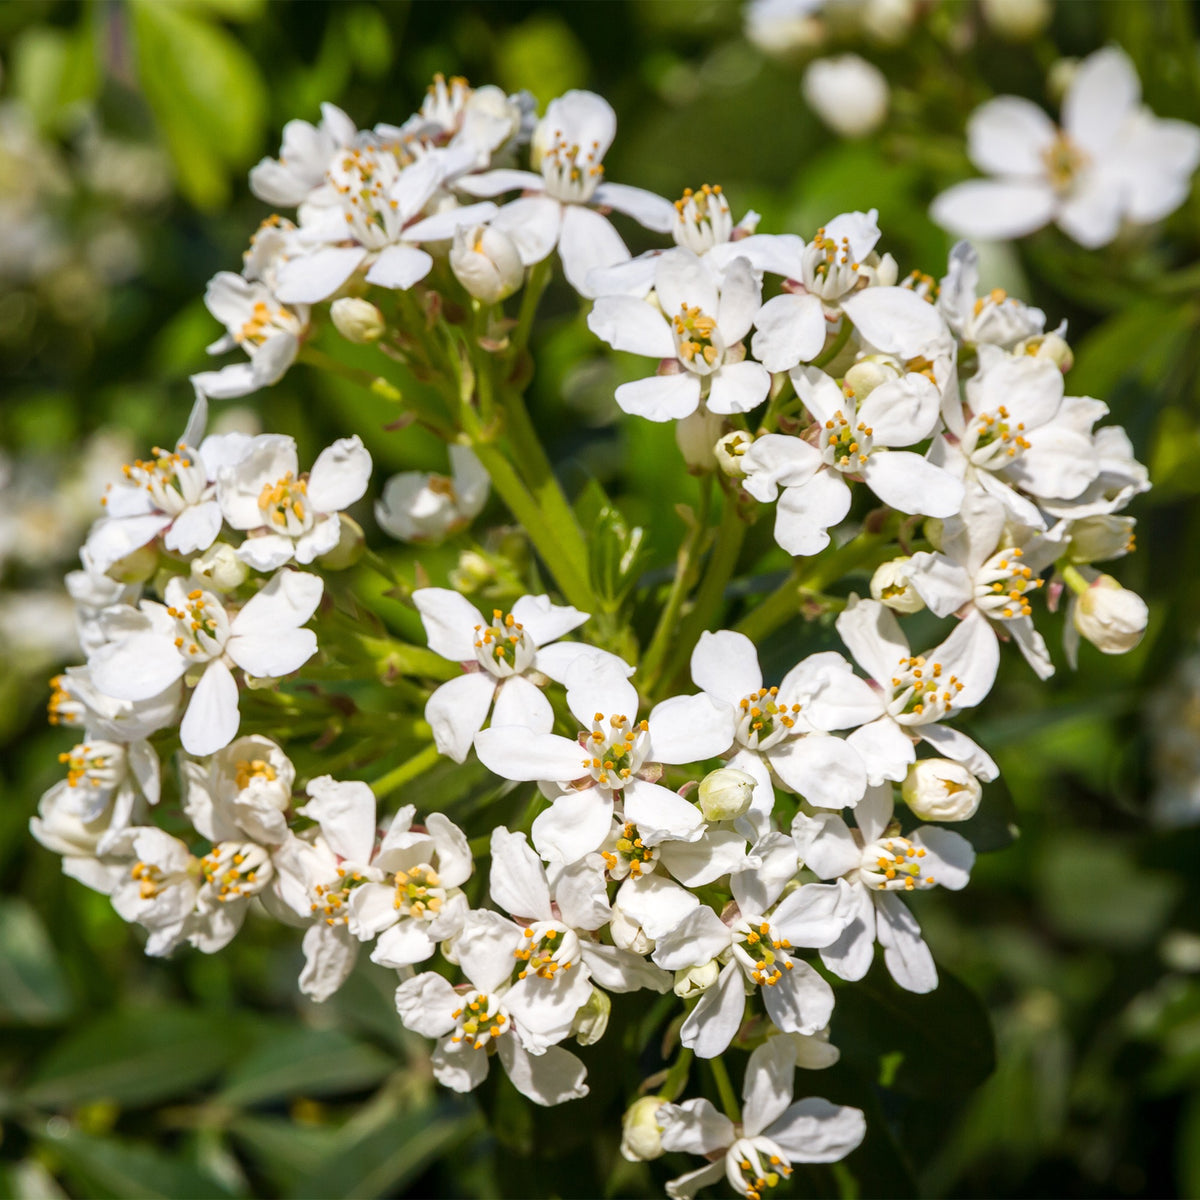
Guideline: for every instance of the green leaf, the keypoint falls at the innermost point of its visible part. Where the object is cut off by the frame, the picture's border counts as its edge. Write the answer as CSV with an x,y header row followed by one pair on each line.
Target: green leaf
x,y
135,1057
1131,343
54,70
304,1062
284,1150
32,988
388,1158
106,1167
943,1038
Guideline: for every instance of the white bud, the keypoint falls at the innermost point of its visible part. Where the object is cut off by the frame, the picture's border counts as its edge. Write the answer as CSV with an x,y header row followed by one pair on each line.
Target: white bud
x,y
891,585
694,981
628,934
1099,538
726,794
1017,20
695,435
868,373
1111,617
486,262
641,1137
937,789
358,321
591,1020
848,93
729,451
219,568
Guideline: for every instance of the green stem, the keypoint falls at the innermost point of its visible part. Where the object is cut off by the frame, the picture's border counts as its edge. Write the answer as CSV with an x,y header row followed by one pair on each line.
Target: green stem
x,y
777,609
535,285
1074,579
406,771
373,383
725,1090
835,348
677,1076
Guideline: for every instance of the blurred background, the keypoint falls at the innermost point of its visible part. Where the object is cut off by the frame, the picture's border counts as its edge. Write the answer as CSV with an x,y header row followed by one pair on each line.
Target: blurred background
x,y
1069,1064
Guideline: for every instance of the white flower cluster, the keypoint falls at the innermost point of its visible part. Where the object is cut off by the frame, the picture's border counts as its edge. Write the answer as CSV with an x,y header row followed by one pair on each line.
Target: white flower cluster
x,y
735,842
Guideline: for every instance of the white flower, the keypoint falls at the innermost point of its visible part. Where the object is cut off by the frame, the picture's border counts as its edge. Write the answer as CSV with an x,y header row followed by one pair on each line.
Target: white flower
x,y
194,637
304,157
244,790
1110,616
697,327
296,514
486,262
848,93
995,318
75,701
499,656
915,692
856,441
421,506
875,862
559,205
774,1133
1111,160
937,789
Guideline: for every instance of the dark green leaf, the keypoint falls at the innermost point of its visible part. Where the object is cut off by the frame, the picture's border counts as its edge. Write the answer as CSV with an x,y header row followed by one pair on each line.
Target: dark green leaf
x,y
32,988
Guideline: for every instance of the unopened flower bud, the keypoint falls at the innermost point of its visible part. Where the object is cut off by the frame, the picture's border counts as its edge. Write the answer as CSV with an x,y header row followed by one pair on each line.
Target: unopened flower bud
x,y
726,794
1111,617
219,568
694,981
892,586
868,373
1099,538
350,545
486,262
848,93
358,321
641,1137
135,567
1048,345
592,1019
937,789
729,451
473,572
1017,20
695,435
628,934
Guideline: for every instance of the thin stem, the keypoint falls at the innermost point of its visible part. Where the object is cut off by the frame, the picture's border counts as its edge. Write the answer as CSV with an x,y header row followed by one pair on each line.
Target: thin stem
x,y
835,348
535,285
725,1091
406,771
677,1076
373,383
777,609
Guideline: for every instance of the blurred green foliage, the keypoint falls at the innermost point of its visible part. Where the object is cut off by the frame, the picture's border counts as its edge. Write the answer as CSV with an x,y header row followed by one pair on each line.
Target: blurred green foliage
x,y
121,1076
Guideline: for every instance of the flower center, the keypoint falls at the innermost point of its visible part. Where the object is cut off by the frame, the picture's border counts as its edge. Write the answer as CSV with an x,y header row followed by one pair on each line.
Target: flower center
x,y
998,440
235,870
250,771
1002,584
149,879
571,174
419,892
174,479
1063,160
702,219
63,708
760,952
629,856
547,949
698,341
763,721
445,100
827,267
754,1165
617,748
284,505
98,765
332,898
844,446
262,323
364,177
919,693
891,865
503,648
201,626
479,1020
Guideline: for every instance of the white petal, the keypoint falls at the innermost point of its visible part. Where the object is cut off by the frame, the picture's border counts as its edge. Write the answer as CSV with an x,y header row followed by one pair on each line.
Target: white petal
x,y
775,461
286,602
345,812
329,956
896,320
695,1127
458,1066
485,948
399,267
1009,136
581,893
804,514
660,813
267,553
618,970
813,1130
994,211
941,583
237,379
519,702
339,476
741,298
594,687
902,411
825,844
912,484
195,528
813,915
687,729
271,656
791,330
441,226
561,658
514,752
801,1002
1091,215
211,720
457,710
822,768
681,280
904,950
632,325
450,621
493,183
518,879
738,387
821,395
1104,91
972,653
694,864
309,278
758,887
647,209
587,241
581,118
425,1003
850,957
953,743
725,665
872,633
949,856
546,622
658,905
767,1087
710,1026
661,397
547,1079
137,667
700,936
886,750
533,223
574,825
